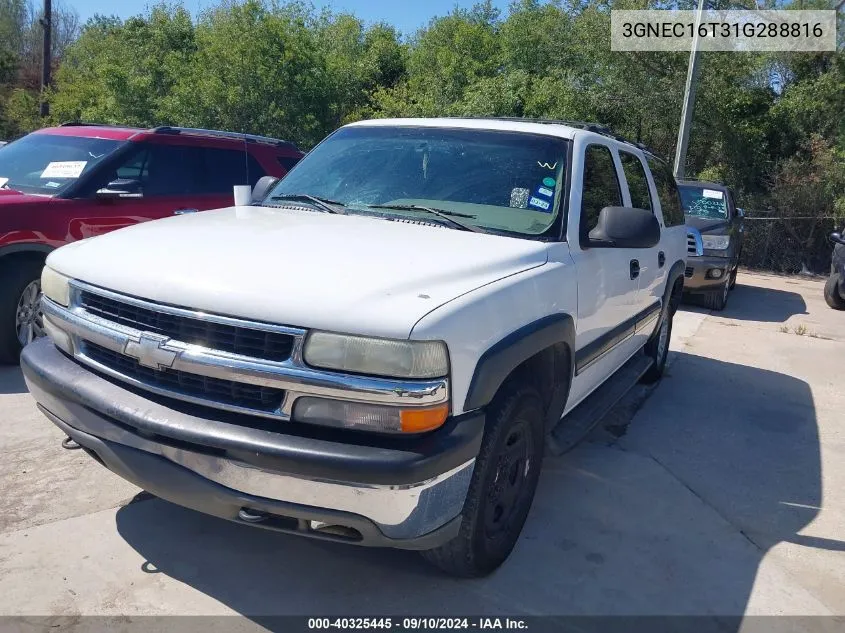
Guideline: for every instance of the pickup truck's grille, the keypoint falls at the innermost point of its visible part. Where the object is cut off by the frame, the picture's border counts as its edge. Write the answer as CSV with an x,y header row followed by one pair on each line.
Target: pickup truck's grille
x,y
261,344
694,248
225,392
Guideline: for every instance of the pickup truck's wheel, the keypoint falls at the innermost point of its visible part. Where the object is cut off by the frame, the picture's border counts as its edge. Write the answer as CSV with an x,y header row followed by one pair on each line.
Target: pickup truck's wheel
x,y
831,293
657,349
20,310
718,299
503,483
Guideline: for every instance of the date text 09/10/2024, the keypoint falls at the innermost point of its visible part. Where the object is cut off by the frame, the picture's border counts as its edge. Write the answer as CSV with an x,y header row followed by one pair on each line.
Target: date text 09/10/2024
x,y
418,623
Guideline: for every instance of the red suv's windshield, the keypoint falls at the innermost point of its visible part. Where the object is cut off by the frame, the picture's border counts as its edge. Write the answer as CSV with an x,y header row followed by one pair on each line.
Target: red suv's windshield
x,y
46,164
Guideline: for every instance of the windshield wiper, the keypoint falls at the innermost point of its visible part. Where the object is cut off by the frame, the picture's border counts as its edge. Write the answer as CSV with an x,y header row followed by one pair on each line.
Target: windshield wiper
x,y
443,214
331,206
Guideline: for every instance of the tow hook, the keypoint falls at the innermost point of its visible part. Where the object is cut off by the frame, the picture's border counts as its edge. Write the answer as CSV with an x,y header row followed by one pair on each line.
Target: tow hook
x,y
252,516
70,444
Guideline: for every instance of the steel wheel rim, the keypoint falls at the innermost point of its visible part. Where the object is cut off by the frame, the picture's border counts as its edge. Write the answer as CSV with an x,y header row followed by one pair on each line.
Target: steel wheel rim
x,y
514,464
29,324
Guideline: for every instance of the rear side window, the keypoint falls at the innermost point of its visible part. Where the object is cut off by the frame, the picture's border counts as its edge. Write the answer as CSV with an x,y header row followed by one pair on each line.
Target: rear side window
x,y
637,181
287,162
600,187
667,192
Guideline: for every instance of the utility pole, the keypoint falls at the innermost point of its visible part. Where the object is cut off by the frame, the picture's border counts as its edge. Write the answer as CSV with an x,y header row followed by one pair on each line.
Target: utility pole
x,y
689,99
47,25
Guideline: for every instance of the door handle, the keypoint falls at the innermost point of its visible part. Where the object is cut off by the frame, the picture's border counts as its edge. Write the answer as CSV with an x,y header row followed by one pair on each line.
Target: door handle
x,y
661,259
184,211
635,269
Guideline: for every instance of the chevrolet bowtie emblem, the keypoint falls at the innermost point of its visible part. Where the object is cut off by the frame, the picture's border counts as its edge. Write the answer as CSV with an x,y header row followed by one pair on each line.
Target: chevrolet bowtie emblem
x,y
150,352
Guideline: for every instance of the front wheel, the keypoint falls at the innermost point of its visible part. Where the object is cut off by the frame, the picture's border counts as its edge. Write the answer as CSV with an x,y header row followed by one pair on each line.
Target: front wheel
x,y
718,299
20,309
831,293
503,484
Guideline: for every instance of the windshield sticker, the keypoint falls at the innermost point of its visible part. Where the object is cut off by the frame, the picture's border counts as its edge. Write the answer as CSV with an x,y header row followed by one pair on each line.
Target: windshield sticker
x,y
519,198
549,182
538,203
64,169
545,192
548,165
712,193
3,182
53,184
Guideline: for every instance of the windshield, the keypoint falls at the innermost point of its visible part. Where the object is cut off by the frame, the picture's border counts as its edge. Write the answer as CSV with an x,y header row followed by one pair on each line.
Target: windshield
x,y
497,180
47,164
703,202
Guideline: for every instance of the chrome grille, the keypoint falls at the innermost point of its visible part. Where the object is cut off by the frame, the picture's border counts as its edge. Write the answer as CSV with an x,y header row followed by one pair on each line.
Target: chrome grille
x,y
224,392
695,248
273,346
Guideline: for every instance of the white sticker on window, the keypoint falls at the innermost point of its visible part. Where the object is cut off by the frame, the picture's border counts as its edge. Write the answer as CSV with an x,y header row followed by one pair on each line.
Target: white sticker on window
x,y
64,169
3,182
53,185
712,193
536,202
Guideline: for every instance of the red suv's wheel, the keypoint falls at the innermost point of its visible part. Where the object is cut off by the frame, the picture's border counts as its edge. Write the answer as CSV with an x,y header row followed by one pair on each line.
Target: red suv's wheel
x,y
20,309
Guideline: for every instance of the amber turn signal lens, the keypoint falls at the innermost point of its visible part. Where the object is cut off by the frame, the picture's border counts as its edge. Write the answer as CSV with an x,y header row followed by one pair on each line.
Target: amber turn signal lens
x,y
420,420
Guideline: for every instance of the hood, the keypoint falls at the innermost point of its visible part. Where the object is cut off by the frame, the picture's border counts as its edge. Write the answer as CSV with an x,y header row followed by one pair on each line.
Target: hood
x,y
10,196
708,225
294,267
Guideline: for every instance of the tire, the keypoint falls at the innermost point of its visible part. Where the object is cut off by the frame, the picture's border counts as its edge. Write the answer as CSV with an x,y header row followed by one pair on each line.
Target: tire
x,y
14,280
718,299
657,349
831,293
732,283
502,488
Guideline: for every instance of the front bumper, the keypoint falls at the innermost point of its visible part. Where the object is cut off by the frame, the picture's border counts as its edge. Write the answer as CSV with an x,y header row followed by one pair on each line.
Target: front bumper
x,y
396,492
697,275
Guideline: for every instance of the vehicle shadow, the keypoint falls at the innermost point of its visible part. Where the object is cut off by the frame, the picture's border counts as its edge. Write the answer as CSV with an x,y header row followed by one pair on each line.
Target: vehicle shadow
x,y
755,303
11,380
653,529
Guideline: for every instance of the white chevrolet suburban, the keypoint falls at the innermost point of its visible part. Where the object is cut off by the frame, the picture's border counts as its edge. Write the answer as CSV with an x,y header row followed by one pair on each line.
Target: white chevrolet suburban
x,y
381,347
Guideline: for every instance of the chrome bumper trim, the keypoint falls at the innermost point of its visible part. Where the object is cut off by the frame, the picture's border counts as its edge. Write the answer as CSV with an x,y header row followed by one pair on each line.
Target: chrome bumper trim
x,y
400,512
292,375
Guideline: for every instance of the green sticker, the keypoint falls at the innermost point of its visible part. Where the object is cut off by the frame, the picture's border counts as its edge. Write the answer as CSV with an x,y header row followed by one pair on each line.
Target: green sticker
x,y
549,182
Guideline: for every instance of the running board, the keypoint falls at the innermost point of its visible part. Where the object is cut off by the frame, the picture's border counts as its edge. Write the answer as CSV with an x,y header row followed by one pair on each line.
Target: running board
x,y
578,423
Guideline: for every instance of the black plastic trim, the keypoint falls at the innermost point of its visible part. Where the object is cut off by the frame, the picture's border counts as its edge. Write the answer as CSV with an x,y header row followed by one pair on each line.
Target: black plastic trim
x,y
502,358
25,247
179,485
76,395
594,350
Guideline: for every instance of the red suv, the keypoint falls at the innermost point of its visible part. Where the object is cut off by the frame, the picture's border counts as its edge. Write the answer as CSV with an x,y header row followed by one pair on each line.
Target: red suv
x,y
75,181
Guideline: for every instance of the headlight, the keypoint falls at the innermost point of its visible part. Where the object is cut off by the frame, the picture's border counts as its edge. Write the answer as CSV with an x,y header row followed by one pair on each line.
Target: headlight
x,y
377,356
716,242
55,286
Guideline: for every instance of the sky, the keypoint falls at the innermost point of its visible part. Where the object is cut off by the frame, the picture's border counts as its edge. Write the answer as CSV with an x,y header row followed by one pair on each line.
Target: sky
x,y
405,15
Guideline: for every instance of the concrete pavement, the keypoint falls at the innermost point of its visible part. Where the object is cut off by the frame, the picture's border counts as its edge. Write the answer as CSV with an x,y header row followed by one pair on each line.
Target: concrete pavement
x,y
721,491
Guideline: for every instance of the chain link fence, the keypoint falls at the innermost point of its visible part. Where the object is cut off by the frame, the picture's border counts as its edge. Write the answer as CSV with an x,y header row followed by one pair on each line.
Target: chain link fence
x,y
788,245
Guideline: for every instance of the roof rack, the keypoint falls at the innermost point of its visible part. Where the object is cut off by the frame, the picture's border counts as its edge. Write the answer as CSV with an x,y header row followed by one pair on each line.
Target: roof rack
x,y
598,128
95,124
250,138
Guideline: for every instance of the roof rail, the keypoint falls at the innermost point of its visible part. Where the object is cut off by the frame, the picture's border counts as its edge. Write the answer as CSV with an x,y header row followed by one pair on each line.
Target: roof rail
x,y
78,123
250,138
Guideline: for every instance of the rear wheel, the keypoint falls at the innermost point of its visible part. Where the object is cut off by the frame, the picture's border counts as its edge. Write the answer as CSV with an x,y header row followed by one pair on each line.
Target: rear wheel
x,y
831,293
20,309
503,484
657,349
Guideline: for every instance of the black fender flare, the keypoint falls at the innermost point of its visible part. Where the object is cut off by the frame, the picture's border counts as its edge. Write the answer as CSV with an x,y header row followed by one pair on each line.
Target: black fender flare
x,y
26,247
497,363
676,271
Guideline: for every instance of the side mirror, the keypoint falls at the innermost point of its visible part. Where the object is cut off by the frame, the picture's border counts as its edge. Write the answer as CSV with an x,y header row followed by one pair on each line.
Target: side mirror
x,y
740,212
262,188
121,188
625,227
837,238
